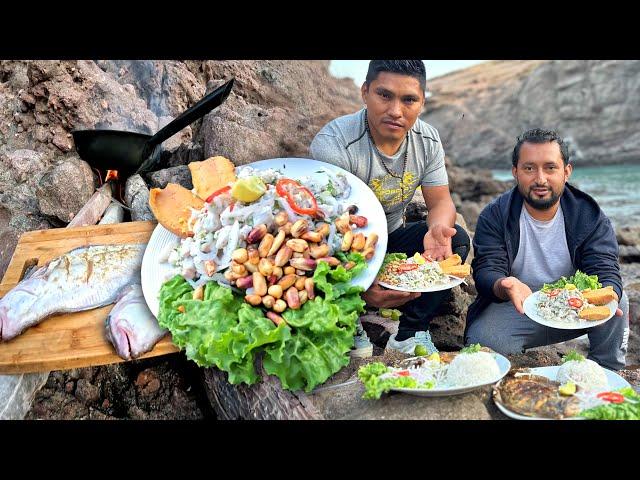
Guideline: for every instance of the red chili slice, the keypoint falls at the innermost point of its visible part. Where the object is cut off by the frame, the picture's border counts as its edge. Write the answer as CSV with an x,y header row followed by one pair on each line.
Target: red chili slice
x,y
286,187
283,183
611,397
303,210
554,292
575,302
403,373
216,193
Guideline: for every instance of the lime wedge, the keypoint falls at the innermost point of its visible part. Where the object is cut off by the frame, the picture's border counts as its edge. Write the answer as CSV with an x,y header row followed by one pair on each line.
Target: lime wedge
x,y
420,350
419,259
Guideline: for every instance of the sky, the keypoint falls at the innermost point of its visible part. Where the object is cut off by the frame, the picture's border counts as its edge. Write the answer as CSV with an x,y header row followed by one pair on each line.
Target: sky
x,y
357,69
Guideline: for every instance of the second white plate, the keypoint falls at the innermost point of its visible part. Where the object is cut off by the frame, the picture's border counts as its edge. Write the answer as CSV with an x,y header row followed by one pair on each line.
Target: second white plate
x,y
531,310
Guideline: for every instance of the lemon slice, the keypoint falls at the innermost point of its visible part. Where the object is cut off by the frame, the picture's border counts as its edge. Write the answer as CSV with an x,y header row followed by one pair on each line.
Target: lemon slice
x,y
569,286
567,389
434,357
248,189
419,259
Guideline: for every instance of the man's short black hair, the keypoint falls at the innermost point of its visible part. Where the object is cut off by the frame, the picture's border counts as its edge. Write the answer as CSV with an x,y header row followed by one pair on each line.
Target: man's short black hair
x,y
413,68
538,135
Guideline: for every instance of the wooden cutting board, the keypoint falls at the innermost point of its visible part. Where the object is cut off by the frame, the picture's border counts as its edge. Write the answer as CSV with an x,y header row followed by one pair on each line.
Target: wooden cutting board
x,y
69,340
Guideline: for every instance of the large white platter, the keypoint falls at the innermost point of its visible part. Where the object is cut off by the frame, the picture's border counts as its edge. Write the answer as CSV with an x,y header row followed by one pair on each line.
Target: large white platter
x,y
531,310
615,382
154,271
503,364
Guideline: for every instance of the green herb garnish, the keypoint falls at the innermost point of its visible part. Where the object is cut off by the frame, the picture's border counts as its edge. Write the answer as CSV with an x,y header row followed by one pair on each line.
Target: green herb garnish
x,y
573,356
474,348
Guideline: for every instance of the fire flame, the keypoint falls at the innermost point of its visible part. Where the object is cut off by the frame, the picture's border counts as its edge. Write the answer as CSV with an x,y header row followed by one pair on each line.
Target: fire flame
x,y
111,175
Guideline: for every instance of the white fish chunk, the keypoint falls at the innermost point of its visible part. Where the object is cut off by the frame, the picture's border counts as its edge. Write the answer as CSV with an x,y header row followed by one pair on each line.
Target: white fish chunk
x,y
82,279
131,327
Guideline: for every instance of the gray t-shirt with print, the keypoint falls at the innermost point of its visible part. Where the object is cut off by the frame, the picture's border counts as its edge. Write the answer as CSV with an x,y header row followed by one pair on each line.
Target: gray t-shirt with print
x,y
543,253
344,142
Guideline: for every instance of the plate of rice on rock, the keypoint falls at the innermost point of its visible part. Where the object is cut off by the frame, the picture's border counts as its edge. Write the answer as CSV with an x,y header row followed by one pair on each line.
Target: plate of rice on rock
x,y
437,375
420,274
577,389
572,303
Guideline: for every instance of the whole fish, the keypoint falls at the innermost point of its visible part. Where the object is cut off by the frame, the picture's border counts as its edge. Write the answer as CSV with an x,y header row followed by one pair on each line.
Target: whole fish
x,y
82,279
131,327
535,396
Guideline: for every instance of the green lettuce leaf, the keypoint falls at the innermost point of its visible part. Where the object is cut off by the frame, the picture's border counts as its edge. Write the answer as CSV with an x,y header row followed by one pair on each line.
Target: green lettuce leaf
x,y
221,330
323,331
224,331
581,280
375,386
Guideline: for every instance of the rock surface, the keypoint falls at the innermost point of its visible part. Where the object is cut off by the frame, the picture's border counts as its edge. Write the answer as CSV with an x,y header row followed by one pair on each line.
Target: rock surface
x,y
161,388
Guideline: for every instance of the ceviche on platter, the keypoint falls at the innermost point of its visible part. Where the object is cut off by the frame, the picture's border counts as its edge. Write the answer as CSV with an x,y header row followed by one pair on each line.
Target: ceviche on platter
x,y
264,264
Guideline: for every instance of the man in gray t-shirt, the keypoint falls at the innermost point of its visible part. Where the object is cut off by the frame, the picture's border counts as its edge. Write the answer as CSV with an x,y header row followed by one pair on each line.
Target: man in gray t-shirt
x,y
388,147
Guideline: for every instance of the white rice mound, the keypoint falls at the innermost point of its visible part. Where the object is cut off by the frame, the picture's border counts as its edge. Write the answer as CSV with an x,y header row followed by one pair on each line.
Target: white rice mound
x,y
472,369
586,374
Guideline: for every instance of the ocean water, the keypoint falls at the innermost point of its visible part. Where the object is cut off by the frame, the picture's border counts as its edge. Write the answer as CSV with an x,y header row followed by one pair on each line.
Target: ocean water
x,y
615,187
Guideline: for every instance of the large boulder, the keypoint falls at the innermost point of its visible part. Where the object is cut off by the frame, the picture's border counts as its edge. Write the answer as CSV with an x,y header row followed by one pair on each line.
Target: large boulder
x,y
20,171
275,110
65,188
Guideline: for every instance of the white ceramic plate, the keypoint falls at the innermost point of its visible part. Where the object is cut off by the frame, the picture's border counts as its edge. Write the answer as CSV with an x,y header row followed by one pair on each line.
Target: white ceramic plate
x,y
531,310
453,282
615,382
153,271
503,364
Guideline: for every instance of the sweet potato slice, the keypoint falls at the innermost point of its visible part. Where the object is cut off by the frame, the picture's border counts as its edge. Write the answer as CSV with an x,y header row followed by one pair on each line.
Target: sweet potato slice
x,y
461,271
211,174
172,208
451,261
601,296
595,313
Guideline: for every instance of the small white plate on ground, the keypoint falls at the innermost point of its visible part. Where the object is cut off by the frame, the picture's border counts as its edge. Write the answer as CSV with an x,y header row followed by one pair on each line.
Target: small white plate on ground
x,y
154,269
615,382
531,310
453,282
503,364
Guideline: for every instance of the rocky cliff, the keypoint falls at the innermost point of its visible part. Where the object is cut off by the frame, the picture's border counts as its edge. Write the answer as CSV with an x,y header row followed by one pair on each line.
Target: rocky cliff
x,y
275,109
595,104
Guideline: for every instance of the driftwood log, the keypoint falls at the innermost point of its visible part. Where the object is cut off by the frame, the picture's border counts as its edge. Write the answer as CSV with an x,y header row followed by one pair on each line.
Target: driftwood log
x,y
266,400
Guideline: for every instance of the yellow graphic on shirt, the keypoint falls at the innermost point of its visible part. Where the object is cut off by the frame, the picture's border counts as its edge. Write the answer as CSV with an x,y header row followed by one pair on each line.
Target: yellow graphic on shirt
x,y
389,190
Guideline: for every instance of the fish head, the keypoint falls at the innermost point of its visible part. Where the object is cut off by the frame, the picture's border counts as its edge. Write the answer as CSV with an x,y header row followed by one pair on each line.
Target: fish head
x,y
118,335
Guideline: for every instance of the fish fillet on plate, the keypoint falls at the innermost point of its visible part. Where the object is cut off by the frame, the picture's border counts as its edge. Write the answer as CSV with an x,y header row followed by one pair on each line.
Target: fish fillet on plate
x,y
82,279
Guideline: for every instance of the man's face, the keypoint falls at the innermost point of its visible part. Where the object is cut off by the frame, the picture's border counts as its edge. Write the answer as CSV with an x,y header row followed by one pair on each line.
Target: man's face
x,y
394,102
541,174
